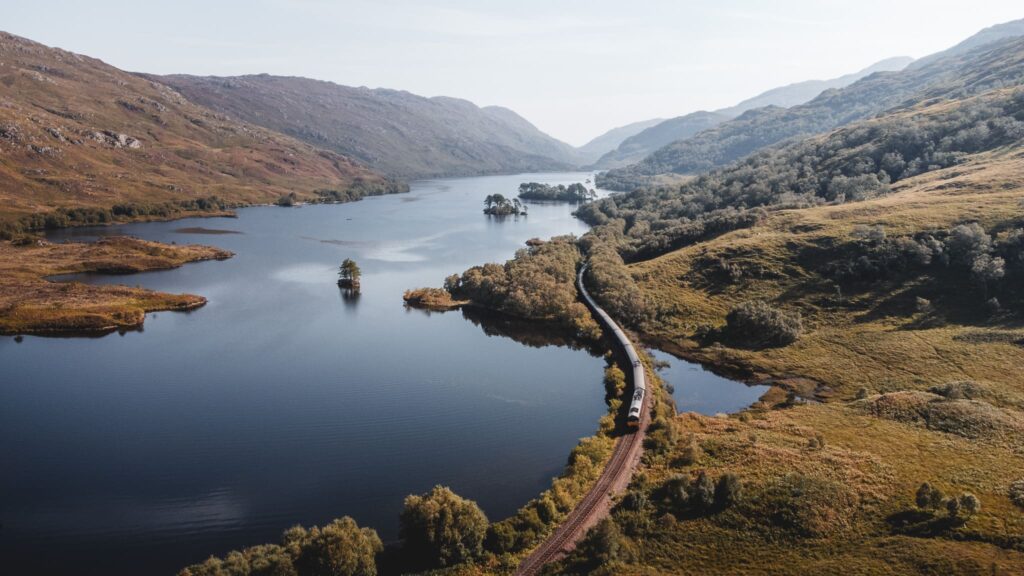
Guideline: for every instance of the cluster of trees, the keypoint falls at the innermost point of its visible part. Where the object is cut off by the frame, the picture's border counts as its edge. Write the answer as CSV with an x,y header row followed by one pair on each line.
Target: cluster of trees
x,y
993,263
65,217
931,498
442,528
610,281
853,163
757,324
537,284
684,495
572,193
340,548
499,205
349,274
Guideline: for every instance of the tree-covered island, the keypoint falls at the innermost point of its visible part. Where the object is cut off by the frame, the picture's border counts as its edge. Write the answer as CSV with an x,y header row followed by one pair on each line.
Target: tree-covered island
x,y
561,193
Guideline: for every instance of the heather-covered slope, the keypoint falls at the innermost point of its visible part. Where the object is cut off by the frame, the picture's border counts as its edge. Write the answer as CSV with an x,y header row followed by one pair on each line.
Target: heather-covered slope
x,y
393,131
78,134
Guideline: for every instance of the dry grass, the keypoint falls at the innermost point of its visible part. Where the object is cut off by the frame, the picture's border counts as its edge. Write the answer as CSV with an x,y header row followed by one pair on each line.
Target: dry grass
x,y
852,492
31,304
868,342
853,511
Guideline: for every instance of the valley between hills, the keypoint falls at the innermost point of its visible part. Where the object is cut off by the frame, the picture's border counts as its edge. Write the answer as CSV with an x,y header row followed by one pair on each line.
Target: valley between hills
x,y
856,244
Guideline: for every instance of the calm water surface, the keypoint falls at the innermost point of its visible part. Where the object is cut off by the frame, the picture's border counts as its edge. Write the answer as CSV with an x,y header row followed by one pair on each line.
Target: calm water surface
x,y
697,389
283,401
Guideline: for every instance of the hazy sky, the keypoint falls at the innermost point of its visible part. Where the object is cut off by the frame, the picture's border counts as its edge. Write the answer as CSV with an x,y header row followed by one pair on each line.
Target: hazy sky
x,y
573,67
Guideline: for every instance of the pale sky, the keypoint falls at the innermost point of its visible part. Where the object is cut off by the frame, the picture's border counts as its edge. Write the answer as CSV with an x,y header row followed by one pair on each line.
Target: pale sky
x,y
575,68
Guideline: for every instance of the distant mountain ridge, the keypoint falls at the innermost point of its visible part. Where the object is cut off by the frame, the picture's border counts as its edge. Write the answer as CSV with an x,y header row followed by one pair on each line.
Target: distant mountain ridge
x,y
801,92
951,74
610,140
396,132
637,147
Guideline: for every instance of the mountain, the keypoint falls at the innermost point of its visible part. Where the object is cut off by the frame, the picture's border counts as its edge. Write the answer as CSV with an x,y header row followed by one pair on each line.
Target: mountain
x,y
952,75
986,36
801,92
610,140
636,148
395,132
78,133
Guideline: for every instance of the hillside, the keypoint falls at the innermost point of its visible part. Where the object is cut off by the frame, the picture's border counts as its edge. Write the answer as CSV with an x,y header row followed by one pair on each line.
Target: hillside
x,y
610,140
949,76
987,36
78,134
883,262
395,132
636,148
916,381
801,92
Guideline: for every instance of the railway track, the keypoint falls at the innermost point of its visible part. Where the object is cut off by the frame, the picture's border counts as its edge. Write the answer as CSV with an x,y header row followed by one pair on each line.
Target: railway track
x,y
615,477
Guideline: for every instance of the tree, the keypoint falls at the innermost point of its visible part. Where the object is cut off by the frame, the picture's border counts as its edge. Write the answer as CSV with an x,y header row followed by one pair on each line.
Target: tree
x,y
349,273
923,498
757,323
729,490
604,543
953,507
970,504
443,528
340,548
702,495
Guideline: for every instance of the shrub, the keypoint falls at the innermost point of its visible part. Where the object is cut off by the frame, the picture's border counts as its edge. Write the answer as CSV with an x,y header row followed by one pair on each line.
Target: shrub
x,y
604,543
970,504
728,490
757,323
614,381
702,493
443,528
340,548
953,507
923,498
692,452
1017,492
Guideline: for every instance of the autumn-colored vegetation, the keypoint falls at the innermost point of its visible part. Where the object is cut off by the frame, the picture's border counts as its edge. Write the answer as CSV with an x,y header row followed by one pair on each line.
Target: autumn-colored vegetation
x,y
30,304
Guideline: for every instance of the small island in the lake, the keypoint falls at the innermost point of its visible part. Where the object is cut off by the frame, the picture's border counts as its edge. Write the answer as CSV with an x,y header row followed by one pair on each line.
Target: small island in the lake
x,y
438,299
349,274
561,193
498,205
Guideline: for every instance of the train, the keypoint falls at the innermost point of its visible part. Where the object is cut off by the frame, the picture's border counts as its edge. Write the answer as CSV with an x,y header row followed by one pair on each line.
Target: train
x,y
636,404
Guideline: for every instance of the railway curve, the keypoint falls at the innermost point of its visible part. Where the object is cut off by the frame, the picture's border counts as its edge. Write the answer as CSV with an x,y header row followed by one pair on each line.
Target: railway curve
x,y
616,474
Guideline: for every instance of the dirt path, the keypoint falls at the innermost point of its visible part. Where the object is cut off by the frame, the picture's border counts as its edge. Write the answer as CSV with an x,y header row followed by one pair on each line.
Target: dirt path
x,y
615,477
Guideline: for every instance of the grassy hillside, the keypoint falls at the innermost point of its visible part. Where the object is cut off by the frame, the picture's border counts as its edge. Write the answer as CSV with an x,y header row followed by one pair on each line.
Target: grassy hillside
x,y
393,131
77,133
951,76
859,332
